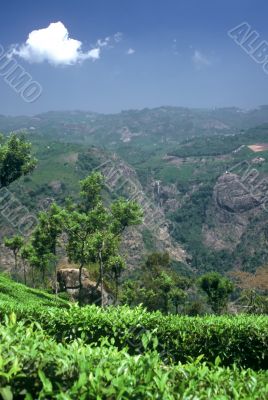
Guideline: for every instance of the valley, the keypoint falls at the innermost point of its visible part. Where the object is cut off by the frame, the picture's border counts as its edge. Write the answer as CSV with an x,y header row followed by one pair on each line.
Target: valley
x,y
200,186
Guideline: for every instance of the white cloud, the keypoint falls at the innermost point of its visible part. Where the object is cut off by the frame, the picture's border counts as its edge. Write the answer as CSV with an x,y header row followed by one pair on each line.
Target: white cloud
x,y
54,45
110,41
103,43
131,51
118,37
200,60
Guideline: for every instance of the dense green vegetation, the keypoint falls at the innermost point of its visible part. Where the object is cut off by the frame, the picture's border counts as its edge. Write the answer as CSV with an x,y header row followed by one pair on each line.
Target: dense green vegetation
x,y
241,340
35,366
189,221
93,236
15,159
51,350
208,146
217,145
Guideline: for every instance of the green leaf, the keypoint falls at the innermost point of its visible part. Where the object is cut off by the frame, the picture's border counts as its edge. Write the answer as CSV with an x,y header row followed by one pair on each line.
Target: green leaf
x,y
6,393
47,386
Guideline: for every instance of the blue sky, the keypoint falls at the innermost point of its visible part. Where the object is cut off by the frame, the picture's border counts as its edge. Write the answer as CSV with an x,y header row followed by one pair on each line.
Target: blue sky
x,y
180,54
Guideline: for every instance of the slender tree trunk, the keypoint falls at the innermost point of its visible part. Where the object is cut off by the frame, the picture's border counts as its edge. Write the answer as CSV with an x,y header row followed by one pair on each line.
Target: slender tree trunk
x,y
33,280
16,265
116,289
56,280
54,252
24,272
80,283
166,304
101,277
43,276
80,276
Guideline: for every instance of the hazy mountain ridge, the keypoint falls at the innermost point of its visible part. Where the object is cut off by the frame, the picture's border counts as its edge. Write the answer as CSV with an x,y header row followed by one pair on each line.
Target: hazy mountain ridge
x,y
162,123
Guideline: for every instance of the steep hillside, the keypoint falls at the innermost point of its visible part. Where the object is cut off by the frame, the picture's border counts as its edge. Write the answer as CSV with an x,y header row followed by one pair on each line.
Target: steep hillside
x,y
224,216
205,218
61,166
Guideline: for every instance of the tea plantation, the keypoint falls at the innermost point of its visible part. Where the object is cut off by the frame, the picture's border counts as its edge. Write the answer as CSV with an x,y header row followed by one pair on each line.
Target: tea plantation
x,y
53,350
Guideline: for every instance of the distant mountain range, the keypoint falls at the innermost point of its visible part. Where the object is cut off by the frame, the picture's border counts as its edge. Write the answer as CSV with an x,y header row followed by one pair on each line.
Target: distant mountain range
x,y
163,123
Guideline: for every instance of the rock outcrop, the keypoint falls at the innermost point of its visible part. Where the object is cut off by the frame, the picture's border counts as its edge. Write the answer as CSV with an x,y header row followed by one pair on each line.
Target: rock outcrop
x,y
6,259
235,195
233,205
68,281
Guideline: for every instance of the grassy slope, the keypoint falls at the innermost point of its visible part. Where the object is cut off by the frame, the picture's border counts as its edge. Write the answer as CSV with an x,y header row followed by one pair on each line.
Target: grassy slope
x,y
15,293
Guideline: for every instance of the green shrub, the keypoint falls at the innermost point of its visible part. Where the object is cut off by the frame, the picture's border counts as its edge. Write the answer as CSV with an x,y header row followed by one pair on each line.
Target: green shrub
x,y
34,366
242,340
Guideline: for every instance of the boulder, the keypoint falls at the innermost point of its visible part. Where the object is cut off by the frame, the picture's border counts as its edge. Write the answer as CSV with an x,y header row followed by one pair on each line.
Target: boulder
x,y
235,203
234,195
68,281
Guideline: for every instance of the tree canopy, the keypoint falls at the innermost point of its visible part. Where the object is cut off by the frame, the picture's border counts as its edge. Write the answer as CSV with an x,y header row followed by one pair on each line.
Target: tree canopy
x,y
16,159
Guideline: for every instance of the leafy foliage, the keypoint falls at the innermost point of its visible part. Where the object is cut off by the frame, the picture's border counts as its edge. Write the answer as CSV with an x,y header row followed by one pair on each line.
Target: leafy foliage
x,y
94,231
35,366
158,287
242,340
15,159
14,244
218,290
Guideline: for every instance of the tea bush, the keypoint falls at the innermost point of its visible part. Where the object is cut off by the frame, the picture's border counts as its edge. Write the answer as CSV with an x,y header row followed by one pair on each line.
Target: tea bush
x,y
235,339
35,366
19,294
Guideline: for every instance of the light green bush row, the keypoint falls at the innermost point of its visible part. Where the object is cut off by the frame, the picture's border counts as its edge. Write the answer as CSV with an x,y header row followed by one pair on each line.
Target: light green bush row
x,y
16,293
35,366
242,340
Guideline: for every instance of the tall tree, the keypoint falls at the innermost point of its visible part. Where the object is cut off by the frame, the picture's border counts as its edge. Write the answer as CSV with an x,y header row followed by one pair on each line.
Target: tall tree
x,y
25,254
42,257
116,266
94,231
177,297
218,289
15,244
50,229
